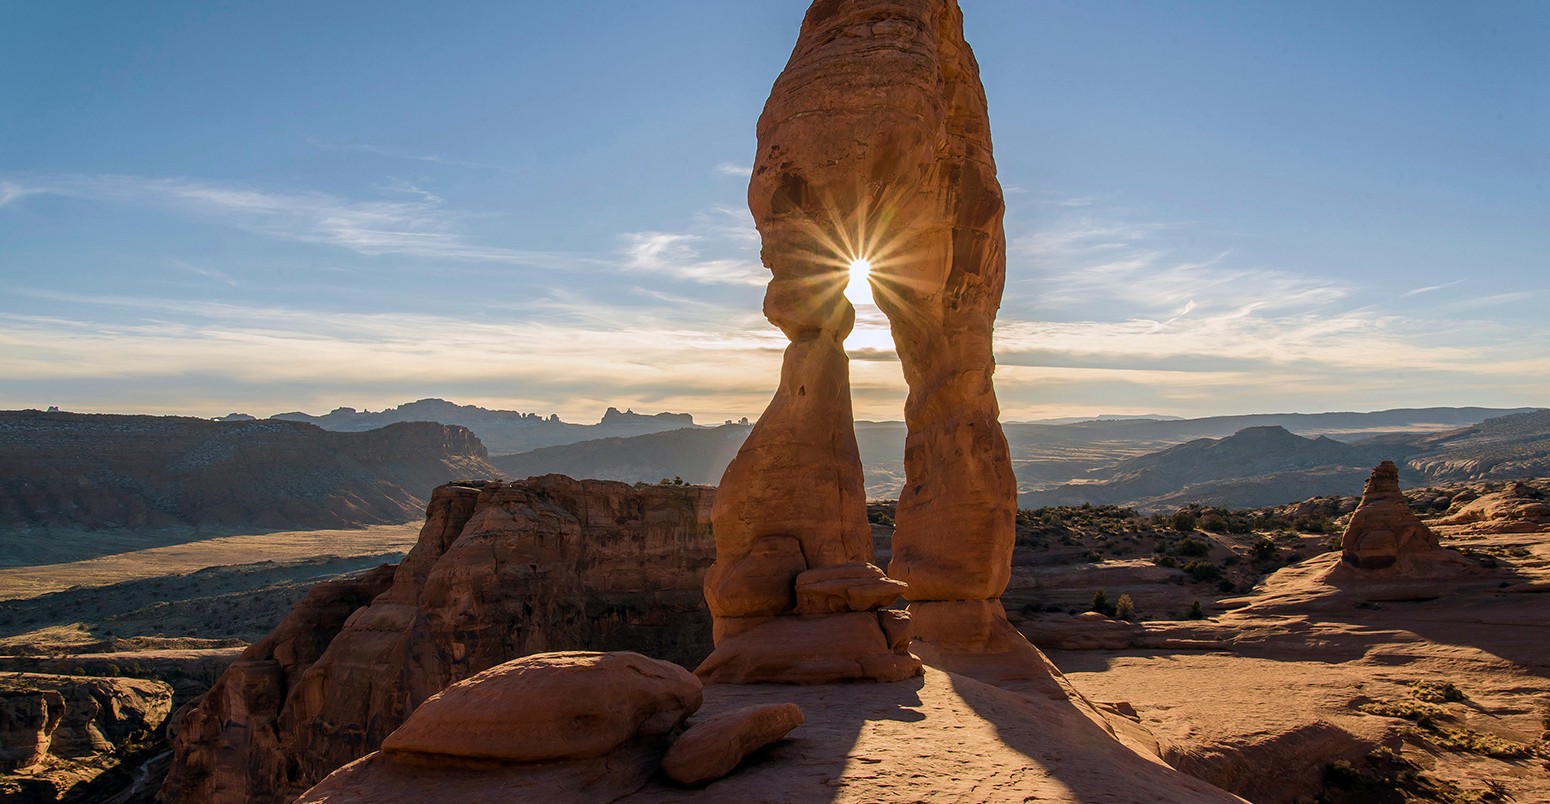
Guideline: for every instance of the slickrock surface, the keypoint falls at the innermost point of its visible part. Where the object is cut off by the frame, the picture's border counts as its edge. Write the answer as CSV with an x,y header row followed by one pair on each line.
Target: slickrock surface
x,y
935,738
1518,508
552,706
501,570
711,748
1306,673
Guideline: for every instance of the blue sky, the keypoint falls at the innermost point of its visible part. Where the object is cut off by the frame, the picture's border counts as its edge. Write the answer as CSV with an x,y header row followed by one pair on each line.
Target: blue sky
x,y
1212,207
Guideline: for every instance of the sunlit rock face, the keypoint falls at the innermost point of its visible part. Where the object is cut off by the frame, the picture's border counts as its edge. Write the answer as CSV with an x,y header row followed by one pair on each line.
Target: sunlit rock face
x,y
1383,529
874,145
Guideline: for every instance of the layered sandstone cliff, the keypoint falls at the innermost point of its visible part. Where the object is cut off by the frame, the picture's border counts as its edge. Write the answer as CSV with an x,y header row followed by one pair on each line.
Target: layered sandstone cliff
x,y
96,471
501,570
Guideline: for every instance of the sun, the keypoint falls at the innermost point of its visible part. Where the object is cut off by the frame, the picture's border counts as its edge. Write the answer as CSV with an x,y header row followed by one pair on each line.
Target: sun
x,y
859,290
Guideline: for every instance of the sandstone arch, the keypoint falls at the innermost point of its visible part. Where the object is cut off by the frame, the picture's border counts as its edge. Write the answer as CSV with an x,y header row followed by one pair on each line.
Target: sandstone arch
x,y
875,143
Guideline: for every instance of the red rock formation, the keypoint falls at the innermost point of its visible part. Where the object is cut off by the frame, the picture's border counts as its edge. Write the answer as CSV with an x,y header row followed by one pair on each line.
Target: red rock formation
x,y
501,570
713,747
570,705
1383,530
74,724
875,144
575,726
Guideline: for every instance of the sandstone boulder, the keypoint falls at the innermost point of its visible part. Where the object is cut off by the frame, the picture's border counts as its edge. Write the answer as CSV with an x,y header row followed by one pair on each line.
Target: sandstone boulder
x,y
551,706
711,748
845,587
815,649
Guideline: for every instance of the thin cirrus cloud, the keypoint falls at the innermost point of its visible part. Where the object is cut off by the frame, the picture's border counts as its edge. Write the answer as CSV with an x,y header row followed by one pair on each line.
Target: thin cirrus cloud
x,y
421,226
1100,312
674,254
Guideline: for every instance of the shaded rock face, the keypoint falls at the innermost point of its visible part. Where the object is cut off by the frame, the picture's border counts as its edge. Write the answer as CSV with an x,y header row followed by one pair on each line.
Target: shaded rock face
x,y
28,718
874,144
98,470
75,717
1383,529
501,570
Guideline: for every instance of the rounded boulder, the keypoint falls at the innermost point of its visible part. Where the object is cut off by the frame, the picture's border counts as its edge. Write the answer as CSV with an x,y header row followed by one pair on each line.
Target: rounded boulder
x,y
551,706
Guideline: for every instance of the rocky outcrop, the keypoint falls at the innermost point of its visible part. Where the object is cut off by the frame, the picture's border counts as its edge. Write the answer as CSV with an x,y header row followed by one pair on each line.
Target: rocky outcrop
x,y
713,747
501,570
97,471
75,717
28,718
1383,530
1517,508
575,726
230,746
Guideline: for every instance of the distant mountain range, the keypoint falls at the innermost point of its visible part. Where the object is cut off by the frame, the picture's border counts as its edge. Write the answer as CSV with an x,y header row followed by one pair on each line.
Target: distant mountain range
x,y
1046,456
97,470
1261,466
77,470
502,431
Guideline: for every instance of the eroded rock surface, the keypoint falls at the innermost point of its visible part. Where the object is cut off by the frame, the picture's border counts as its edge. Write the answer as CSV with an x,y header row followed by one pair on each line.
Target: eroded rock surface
x,y
551,706
501,570
1383,531
60,734
875,145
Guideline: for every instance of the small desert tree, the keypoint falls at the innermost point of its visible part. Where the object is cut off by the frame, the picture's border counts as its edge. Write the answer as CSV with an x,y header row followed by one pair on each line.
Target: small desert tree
x,y
1125,608
1101,602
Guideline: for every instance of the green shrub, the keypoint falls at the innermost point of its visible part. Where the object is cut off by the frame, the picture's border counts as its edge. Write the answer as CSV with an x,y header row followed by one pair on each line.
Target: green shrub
x,y
1190,546
1436,692
1125,608
1195,612
1202,570
1185,521
1101,603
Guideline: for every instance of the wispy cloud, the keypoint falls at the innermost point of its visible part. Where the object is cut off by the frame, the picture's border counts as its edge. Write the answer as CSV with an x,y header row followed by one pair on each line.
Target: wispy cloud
x,y
1432,288
734,169
674,254
423,226
14,192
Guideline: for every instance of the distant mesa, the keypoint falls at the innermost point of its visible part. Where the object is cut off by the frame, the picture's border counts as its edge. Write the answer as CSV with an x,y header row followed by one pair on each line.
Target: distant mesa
x,y
503,432
109,471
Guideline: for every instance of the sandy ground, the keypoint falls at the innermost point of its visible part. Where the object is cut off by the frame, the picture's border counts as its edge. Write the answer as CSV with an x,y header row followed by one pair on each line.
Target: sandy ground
x,y
940,738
